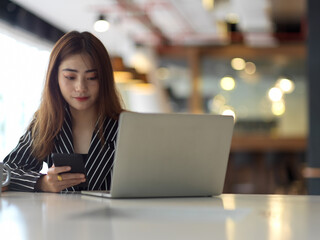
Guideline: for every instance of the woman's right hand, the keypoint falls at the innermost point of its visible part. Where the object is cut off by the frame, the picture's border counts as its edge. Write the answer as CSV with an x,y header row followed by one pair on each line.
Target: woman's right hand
x,y
53,183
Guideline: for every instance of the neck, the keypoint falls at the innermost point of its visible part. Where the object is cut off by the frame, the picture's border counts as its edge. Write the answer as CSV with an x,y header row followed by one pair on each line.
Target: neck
x,y
84,119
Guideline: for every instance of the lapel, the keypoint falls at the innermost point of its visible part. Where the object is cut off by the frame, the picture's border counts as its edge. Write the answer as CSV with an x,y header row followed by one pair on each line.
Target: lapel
x,y
64,140
100,156
99,162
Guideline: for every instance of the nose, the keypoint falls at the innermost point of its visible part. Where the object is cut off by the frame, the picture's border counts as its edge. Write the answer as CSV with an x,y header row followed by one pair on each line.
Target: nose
x,y
81,85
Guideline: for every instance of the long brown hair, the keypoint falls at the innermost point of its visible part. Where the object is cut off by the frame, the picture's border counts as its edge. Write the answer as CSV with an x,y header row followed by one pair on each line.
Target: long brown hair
x,y
49,118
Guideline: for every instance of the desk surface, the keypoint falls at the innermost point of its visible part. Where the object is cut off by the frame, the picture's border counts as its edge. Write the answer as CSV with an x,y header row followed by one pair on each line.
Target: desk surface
x,y
74,216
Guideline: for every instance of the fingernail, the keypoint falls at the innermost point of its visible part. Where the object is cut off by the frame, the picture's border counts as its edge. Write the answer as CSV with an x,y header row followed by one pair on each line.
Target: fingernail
x,y
68,168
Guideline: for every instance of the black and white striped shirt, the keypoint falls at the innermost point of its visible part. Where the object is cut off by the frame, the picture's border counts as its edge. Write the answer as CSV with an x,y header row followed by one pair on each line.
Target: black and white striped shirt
x,y
98,164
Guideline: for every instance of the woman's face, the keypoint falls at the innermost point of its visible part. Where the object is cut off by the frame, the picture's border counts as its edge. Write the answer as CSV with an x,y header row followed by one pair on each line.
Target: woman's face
x,y
78,82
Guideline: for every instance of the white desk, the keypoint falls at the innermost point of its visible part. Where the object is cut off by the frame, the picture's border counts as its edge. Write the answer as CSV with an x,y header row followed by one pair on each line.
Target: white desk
x,y
73,216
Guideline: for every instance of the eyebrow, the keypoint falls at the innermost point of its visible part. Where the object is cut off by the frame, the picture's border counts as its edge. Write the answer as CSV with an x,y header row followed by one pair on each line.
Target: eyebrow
x,y
74,70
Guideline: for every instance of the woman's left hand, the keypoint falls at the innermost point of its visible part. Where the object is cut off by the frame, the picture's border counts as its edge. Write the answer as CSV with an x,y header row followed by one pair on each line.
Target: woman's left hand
x,y
58,179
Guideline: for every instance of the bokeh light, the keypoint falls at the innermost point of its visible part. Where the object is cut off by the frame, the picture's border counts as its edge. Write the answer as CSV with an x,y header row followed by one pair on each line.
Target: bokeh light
x,y
275,94
238,64
227,83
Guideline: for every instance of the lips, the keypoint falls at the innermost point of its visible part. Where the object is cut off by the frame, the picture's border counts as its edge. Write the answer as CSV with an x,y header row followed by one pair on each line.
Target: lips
x,y
81,99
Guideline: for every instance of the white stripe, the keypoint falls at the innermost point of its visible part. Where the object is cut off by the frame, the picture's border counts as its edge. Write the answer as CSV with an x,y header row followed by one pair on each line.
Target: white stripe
x,y
111,130
20,184
23,173
64,145
98,142
32,162
17,153
27,160
19,143
35,164
60,149
106,179
110,170
65,120
24,153
67,138
31,141
100,148
95,158
24,180
67,111
115,134
103,166
101,158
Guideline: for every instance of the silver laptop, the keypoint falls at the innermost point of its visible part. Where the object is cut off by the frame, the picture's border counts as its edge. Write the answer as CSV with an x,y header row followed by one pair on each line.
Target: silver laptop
x,y
170,155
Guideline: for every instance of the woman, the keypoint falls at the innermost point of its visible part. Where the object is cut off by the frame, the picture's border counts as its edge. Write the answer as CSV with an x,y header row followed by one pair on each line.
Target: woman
x,y
78,113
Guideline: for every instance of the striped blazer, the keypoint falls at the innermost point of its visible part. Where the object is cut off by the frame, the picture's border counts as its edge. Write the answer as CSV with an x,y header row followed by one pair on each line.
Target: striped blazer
x,y
99,163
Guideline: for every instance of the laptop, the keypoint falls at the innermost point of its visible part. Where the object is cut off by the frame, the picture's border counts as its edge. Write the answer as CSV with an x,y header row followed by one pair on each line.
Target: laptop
x,y
170,155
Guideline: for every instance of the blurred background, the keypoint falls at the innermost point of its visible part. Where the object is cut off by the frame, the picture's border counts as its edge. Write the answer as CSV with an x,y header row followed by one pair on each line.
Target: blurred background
x,y
245,58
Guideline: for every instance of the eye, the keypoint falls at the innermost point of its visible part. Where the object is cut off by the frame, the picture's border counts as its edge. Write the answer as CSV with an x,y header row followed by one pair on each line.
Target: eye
x,y
92,78
69,77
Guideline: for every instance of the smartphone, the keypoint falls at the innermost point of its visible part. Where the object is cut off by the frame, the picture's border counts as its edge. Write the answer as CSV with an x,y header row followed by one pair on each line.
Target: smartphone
x,y
75,161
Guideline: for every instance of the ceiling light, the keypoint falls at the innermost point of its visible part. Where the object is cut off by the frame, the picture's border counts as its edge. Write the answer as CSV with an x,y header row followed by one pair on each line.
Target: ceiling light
x,y
101,25
208,4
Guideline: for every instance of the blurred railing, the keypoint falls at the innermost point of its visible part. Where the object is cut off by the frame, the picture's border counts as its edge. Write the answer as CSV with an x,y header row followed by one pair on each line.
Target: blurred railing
x,y
266,164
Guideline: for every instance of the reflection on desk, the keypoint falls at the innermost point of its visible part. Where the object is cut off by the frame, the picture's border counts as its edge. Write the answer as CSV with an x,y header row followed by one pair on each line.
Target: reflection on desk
x,y
75,216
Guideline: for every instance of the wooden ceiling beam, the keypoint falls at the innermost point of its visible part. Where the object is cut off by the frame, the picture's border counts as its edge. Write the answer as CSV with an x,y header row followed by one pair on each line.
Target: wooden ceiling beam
x,y
230,51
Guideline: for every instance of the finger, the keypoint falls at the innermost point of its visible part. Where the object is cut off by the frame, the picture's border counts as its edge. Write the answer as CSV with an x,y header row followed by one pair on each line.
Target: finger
x,y
58,170
69,183
62,169
54,178
72,176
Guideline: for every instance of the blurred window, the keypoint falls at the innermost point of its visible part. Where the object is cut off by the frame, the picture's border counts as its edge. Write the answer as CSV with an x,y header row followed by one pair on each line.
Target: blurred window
x,y
23,62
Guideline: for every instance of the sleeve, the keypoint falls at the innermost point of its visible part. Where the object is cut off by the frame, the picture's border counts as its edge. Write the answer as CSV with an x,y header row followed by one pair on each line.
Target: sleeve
x,y
25,169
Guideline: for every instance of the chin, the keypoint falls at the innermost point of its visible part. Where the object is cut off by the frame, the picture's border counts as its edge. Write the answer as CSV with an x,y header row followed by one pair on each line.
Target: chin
x,y
77,108
83,108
